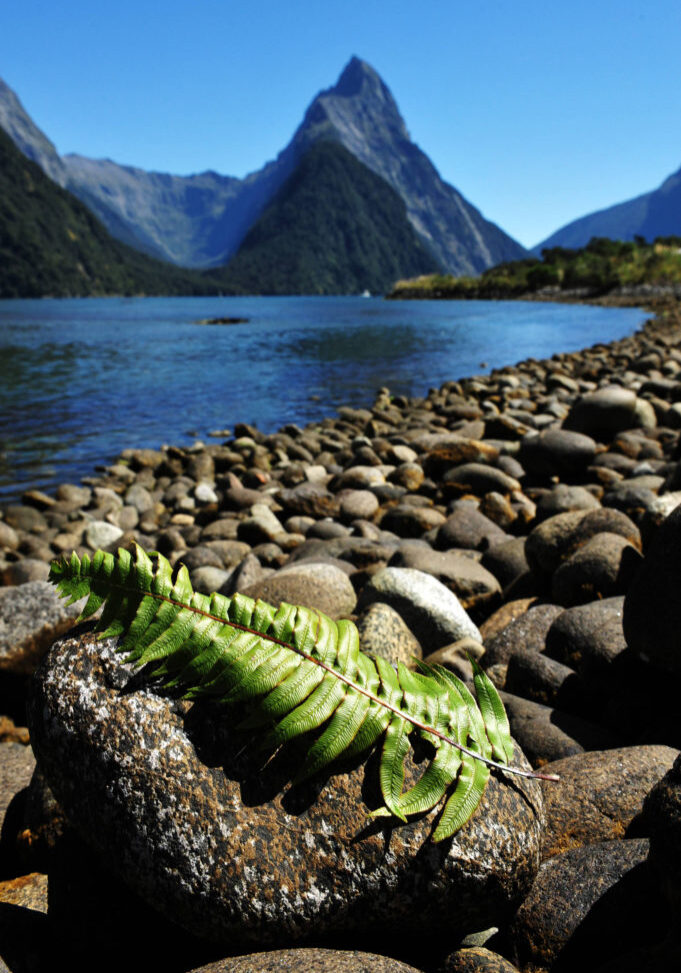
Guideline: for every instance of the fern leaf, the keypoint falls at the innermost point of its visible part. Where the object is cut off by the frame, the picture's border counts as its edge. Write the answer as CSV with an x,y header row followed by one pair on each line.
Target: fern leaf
x,y
301,674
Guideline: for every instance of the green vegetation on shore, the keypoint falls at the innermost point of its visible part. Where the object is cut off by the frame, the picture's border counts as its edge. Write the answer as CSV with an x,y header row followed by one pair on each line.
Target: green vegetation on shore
x,y
52,246
599,268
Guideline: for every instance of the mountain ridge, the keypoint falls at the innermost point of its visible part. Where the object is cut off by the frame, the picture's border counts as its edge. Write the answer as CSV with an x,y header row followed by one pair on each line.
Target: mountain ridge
x,y
653,214
200,220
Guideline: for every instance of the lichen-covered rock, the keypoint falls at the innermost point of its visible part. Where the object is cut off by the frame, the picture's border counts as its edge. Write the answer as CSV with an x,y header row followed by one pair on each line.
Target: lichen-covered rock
x,y
182,809
600,795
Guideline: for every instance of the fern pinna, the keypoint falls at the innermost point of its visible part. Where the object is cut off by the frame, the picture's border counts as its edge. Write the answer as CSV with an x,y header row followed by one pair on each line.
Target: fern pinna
x,y
302,673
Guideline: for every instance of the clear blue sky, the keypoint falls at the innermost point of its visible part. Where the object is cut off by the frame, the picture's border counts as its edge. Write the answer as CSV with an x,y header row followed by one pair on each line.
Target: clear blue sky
x,y
537,111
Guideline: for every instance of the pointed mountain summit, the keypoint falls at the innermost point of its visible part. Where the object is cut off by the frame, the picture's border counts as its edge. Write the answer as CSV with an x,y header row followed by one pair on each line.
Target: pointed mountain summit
x,y
361,113
201,220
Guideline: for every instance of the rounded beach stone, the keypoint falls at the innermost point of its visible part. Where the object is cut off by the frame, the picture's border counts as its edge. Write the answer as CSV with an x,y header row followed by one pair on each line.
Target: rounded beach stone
x,y
588,637
652,607
466,527
600,795
382,632
556,452
476,588
100,534
476,959
535,676
478,478
601,568
607,411
223,846
406,520
313,584
554,540
24,571
588,905
308,961
433,613
32,617
357,505
526,632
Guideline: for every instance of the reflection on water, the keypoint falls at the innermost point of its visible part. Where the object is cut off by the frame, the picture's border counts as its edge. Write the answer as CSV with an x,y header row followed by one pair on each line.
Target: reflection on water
x,y
80,380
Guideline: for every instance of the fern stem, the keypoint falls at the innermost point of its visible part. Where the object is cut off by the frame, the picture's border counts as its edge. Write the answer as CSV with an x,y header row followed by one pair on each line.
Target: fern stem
x,y
517,771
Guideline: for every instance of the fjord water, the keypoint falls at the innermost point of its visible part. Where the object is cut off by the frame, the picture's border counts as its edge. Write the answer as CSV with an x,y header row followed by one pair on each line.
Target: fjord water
x,y
81,380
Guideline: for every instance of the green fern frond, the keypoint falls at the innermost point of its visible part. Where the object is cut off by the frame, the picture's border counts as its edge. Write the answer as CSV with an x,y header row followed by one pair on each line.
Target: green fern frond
x,y
301,673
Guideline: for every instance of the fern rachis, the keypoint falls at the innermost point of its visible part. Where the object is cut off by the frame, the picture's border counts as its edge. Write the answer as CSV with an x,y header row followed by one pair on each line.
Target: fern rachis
x,y
300,672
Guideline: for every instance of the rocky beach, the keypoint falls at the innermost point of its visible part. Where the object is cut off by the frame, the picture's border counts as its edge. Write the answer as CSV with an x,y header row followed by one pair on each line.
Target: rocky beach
x,y
528,518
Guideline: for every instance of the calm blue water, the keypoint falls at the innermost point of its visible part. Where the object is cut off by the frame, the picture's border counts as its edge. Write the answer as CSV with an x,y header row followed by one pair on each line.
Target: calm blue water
x,y
81,380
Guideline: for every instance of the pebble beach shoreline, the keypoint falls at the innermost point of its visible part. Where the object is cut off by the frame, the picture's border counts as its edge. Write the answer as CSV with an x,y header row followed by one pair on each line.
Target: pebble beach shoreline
x,y
527,517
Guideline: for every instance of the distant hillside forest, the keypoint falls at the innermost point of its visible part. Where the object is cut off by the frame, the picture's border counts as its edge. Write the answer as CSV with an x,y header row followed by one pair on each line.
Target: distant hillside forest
x,y
51,244
597,269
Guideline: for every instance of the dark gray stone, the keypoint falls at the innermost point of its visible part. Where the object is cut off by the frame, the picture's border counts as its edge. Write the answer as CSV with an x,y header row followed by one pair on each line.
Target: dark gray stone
x,y
588,637
588,905
467,527
652,607
547,734
526,633
557,452
601,568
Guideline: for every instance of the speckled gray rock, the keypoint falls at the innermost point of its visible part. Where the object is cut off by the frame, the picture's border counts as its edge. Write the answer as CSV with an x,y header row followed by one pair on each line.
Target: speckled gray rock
x,y
224,847
17,764
652,607
32,617
433,613
475,587
476,959
308,961
588,905
382,632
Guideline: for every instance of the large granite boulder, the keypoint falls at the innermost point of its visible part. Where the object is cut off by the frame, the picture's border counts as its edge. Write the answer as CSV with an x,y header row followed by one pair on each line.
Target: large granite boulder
x,y
191,816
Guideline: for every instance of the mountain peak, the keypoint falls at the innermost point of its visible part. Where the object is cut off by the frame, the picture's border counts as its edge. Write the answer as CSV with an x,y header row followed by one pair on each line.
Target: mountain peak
x,y
354,75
